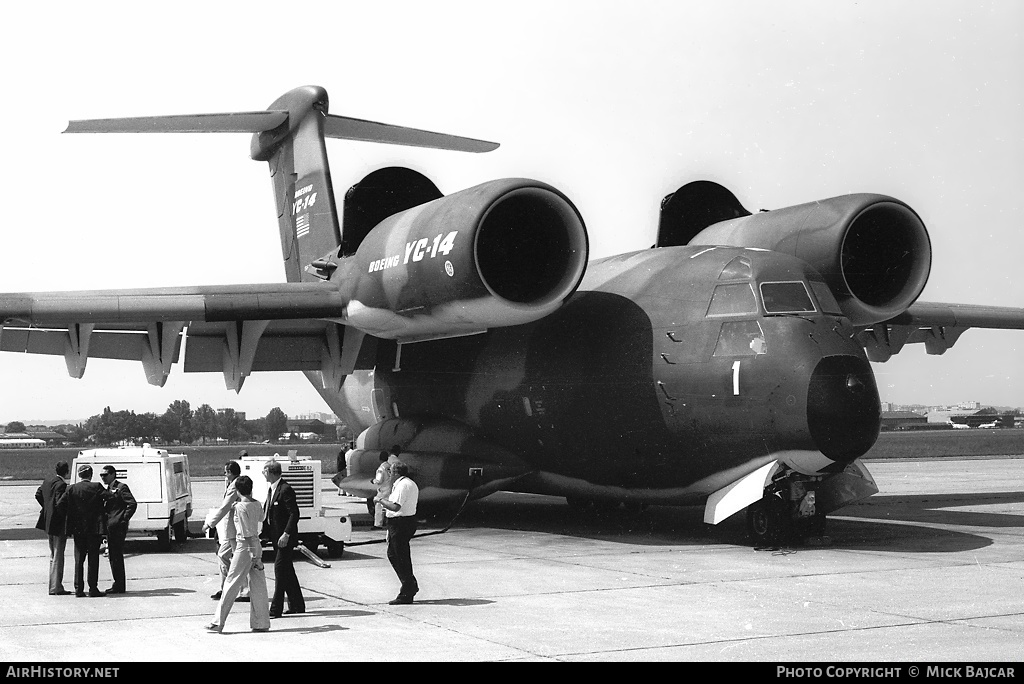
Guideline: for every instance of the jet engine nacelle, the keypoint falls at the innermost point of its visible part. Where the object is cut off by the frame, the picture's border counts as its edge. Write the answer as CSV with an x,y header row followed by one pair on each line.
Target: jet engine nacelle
x,y
873,250
506,252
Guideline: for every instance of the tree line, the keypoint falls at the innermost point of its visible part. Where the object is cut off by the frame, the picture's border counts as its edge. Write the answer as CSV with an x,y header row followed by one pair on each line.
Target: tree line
x,y
178,424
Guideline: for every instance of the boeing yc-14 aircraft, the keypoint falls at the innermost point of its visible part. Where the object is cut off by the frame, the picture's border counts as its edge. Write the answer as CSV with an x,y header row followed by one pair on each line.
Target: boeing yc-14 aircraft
x,y
727,365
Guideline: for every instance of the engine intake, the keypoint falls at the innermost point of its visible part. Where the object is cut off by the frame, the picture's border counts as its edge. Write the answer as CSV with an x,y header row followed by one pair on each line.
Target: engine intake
x,y
873,251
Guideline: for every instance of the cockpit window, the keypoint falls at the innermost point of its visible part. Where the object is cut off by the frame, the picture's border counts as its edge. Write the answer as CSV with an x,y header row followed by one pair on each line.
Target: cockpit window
x,y
736,269
731,299
788,297
826,301
741,338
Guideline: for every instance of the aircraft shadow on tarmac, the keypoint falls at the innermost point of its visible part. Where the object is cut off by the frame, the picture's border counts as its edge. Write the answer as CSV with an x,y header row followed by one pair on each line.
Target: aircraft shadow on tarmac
x,y
905,523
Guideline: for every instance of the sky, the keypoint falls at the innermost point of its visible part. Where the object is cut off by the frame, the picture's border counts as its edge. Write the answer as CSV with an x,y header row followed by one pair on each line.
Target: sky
x,y
616,104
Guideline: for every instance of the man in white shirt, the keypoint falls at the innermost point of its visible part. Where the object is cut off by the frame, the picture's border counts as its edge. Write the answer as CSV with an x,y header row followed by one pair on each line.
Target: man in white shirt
x,y
400,512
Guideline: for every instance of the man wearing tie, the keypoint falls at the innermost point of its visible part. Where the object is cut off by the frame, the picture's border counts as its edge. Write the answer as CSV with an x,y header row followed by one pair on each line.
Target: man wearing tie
x,y
119,506
87,524
281,521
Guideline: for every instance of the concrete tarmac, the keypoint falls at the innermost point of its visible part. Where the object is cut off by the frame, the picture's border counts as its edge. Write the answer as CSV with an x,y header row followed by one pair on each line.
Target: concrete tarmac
x,y
929,570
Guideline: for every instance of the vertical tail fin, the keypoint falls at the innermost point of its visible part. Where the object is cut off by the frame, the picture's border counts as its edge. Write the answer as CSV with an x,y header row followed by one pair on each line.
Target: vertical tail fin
x,y
290,137
306,214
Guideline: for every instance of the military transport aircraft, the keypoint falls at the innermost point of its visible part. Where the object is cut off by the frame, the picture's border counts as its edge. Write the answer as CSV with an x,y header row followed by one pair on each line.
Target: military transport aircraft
x,y
728,364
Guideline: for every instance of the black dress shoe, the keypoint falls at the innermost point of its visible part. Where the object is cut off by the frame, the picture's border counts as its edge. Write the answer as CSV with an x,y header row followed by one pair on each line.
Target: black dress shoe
x,y
96,593
79,594
115,590
294,611
274,616
400,601
61,592
215,597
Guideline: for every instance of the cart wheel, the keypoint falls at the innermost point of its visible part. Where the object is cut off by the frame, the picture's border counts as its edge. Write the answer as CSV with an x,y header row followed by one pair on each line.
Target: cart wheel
x,y
163,539
335,549
181,531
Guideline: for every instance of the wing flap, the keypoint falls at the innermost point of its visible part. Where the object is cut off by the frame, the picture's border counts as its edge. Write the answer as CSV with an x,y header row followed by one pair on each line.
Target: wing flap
x,y
936,325
283,346
125,346
236,329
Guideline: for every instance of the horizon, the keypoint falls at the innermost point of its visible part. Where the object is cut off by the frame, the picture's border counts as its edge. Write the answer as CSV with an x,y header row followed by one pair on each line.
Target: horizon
x,y
50,422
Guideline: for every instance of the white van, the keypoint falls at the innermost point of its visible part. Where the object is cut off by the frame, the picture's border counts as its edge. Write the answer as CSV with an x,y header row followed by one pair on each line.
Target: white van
x,y
159,481
317,523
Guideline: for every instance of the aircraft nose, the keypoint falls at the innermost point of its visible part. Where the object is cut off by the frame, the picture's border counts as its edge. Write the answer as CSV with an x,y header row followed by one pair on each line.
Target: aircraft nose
x,y
843,409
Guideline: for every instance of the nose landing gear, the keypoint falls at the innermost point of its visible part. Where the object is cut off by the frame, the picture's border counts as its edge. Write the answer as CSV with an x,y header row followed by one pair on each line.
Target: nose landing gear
x,y
787,514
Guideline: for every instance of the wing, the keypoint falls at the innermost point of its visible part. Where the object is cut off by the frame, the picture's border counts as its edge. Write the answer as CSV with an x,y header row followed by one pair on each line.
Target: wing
x,y
235,329
936,325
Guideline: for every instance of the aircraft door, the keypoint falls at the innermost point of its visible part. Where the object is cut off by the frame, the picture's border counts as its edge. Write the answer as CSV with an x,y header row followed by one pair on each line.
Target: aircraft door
x,y
379,404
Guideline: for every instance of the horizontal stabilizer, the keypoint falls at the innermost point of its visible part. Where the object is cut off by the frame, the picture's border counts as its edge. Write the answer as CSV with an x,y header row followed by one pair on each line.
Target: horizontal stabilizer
x,y
258,122
371,131
240,122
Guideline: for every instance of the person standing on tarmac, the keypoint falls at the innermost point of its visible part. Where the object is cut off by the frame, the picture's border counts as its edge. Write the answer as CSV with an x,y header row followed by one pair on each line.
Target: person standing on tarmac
x,y
281,525
53,521
382,478
401,518
84,502
119,506
246,563
223,520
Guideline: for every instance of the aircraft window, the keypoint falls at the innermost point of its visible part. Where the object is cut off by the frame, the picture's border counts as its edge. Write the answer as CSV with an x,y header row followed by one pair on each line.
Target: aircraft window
x,y
789,297
736,269
826,301
735,298
741,338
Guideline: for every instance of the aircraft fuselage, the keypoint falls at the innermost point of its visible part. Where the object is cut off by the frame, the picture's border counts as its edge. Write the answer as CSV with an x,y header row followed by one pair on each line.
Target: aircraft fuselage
x,y
664,368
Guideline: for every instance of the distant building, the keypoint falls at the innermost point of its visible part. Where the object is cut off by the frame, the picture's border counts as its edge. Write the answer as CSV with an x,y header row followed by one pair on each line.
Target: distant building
x,y
48,436
326,418
902,420
240,415
307,425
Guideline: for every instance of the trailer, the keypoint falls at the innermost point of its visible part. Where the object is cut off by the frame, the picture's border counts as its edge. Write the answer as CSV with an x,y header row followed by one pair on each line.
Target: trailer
x,y
318,524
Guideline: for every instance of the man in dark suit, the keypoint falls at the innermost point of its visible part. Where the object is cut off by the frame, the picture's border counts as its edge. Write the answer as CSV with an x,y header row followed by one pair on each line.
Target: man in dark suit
x,y
281,522
84,501
53,521
119,506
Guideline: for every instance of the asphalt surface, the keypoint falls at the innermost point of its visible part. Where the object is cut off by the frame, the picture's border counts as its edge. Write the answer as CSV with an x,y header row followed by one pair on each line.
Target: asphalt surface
x,y
929,570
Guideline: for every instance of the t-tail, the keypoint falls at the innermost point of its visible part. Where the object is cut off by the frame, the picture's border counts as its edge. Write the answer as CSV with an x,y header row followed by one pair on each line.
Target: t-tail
x,y
290,136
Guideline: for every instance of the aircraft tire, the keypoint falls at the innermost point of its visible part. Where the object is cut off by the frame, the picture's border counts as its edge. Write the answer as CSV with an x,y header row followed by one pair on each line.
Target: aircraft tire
x,y
767,522
335,549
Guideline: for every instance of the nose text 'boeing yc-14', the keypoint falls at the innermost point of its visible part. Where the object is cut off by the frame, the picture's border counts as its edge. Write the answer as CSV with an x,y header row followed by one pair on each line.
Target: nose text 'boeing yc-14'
x,y
728,364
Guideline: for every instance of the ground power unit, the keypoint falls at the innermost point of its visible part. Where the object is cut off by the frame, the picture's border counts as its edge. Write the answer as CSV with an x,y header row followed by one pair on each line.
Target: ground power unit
x,y
317,523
